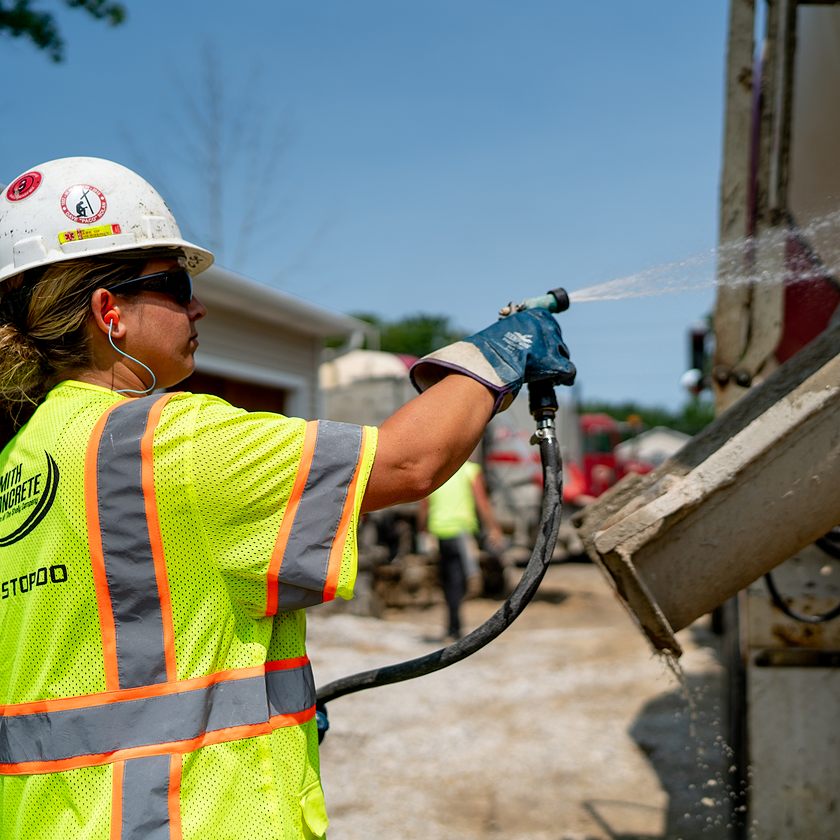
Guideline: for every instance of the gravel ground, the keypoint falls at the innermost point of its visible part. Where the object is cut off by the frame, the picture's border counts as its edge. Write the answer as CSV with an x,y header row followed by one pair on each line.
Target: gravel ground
x,y
566,727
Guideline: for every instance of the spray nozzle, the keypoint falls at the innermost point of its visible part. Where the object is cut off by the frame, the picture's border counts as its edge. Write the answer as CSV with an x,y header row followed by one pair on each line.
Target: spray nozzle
x,y
542,399
556,300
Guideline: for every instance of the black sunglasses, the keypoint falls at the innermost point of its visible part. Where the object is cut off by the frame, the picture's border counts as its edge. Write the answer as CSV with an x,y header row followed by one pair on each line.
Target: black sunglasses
x,y
176,283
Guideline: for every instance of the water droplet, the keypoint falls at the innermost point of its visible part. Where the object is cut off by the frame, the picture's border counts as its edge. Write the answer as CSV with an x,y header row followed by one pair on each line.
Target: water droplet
x,y
699,271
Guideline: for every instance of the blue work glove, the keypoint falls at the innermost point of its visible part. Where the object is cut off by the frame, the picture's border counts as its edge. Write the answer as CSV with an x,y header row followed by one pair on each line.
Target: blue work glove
x,y
524,347
322,720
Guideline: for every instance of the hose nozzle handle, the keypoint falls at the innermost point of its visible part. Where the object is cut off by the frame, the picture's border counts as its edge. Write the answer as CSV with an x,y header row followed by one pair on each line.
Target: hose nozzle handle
x,y
556,300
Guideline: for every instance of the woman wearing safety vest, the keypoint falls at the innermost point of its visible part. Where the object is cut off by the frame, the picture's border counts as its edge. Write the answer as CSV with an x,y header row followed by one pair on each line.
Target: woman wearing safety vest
x,y
157,548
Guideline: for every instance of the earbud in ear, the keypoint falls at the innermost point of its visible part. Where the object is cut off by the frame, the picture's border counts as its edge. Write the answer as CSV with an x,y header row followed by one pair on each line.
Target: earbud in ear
x,y
111,318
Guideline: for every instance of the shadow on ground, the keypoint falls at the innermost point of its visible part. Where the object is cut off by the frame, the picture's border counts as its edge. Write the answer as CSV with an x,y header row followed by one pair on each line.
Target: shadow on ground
x,y
681,733
608,812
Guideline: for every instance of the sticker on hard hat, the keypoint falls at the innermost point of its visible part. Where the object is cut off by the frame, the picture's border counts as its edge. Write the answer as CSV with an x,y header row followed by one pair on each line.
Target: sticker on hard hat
x,y
24,186
84,204
87,233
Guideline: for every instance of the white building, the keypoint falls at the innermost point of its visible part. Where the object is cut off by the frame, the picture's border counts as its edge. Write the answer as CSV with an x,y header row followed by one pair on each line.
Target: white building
x,y
260,348
653,447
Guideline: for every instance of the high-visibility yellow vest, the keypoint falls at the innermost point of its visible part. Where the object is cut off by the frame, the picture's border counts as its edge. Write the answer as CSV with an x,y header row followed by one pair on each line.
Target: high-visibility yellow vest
x,y
155,555
452,506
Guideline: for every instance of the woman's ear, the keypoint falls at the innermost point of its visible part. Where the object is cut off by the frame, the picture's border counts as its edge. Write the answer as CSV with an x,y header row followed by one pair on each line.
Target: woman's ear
x,y
106,313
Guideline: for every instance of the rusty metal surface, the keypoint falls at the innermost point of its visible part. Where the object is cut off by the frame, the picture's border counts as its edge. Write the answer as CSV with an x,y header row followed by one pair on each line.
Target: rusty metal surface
x,y
809,583
796,659
732,304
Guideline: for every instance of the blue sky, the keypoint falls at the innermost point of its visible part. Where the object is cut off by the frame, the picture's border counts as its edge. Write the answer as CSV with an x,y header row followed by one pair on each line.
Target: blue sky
x,y
443,156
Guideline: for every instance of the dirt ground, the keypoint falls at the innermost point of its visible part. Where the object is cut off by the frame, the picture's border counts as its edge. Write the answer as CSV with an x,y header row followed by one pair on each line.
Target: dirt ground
x,y
566,727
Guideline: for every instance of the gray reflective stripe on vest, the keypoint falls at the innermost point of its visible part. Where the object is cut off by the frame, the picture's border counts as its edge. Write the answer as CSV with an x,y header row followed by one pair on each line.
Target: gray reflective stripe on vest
x,y
97,730
145,799
303,573
126,548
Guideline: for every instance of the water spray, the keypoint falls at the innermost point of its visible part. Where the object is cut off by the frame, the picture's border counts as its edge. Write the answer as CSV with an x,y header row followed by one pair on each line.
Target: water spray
x,y
543,407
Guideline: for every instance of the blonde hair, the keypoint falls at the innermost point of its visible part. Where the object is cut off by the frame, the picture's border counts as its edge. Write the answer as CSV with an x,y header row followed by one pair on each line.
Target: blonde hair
x,y
43,323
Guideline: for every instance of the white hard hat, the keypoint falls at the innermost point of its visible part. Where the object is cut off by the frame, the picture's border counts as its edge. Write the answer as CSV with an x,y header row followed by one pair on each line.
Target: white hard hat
x,y
82,207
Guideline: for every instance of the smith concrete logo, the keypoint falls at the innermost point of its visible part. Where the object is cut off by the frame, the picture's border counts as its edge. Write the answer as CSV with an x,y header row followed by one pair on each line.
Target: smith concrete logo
x,y
19,493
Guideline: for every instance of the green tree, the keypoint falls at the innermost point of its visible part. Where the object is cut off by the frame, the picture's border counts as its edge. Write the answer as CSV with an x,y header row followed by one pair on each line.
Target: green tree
x,y
696,415
692,418
413,335
19,19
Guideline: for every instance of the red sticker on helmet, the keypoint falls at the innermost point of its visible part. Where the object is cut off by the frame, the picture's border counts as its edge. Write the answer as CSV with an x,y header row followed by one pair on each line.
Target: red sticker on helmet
x,y
24,186
84,204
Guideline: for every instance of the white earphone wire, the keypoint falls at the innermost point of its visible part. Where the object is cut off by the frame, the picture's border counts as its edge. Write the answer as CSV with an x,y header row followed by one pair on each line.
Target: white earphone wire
x,y
127,356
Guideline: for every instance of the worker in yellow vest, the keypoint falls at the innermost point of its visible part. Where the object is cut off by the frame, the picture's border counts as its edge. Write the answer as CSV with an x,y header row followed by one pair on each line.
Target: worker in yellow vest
x,y
452,514
157,549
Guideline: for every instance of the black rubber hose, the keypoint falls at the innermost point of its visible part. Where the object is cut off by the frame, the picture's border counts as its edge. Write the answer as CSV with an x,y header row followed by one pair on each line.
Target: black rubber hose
x,y
502,618
779,601
830,544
